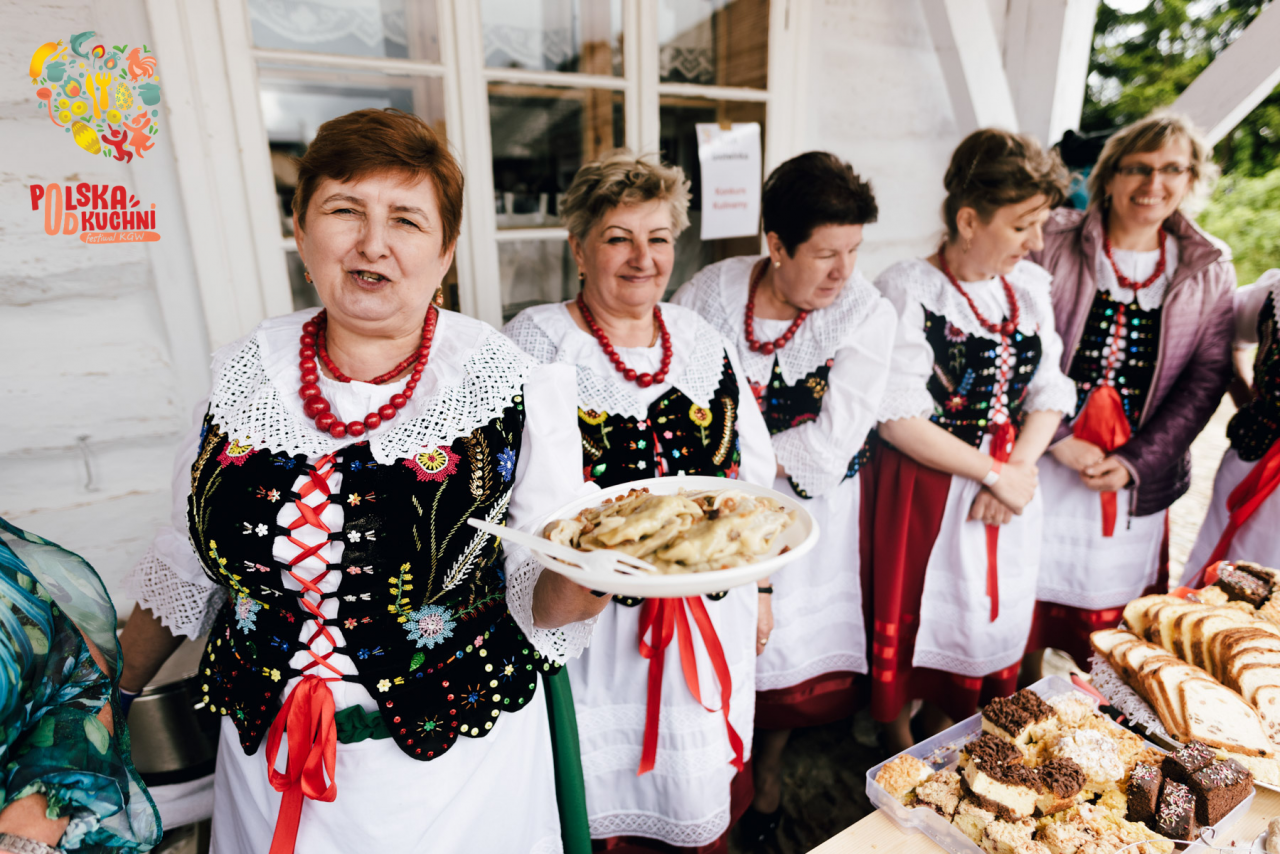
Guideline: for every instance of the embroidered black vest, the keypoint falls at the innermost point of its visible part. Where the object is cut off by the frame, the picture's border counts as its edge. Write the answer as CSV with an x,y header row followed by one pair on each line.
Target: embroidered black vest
x,y
1141,346
1255,428
786,406
964,377
678,436
422,609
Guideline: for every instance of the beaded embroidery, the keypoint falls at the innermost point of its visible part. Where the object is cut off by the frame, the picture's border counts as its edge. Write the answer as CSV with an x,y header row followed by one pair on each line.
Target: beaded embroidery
x,y
1256,427
1117,348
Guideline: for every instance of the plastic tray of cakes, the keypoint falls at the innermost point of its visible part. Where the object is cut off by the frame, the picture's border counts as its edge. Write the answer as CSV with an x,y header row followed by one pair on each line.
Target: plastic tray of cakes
x,y
1202,665
1044,772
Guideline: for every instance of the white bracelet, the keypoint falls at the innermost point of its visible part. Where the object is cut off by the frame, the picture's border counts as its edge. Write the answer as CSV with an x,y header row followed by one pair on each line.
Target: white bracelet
x,y
991,477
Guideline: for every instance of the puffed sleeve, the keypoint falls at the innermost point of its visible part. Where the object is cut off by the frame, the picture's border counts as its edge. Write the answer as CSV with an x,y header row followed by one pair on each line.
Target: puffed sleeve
x,y
1248,302
815,454
757,465
169,580
906,393
548,475
1050,389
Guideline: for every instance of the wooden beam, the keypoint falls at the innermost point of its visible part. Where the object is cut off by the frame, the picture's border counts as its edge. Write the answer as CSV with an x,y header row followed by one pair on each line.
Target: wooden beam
x,y
965,40
1046,56
1237,80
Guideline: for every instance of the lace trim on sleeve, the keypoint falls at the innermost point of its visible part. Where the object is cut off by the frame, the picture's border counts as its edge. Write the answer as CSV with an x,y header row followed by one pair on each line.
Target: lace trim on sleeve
x,y
560,644
184,607
814,476
905,400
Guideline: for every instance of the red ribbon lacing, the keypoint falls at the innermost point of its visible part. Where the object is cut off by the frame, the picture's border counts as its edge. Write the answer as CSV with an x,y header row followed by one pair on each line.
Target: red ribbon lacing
x,y
662,619
1001,447
1247,497
1103,423
306,717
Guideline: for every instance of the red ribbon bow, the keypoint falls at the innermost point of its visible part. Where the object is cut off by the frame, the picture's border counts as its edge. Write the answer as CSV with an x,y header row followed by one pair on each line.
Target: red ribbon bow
x,y
1001,447
307,714
1247,497
661,619
1104,423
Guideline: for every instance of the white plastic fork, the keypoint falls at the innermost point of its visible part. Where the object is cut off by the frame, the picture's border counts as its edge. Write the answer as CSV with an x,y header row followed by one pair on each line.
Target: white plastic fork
x,y
601,560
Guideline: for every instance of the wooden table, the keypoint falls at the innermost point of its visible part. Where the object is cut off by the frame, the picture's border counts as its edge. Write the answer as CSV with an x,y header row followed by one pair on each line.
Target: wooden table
x,y
878,833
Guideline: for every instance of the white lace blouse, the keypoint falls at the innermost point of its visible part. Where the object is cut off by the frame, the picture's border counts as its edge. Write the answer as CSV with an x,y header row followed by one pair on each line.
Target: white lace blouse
x,y
915,285
472,375
856,332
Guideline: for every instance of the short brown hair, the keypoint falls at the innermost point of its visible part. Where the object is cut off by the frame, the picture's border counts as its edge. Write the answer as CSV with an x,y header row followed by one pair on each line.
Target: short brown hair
x,y
368,142
621,178
812,190
993,168
1152,134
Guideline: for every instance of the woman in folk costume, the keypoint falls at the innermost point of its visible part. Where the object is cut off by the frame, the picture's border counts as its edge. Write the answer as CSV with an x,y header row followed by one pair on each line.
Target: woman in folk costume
x,y
660,392
1143,300
1243,522
357,625
814,338
974,397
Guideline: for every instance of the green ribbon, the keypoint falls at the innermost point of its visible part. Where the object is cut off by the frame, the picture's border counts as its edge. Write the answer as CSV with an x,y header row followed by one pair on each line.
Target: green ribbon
x,y
571,792
355,724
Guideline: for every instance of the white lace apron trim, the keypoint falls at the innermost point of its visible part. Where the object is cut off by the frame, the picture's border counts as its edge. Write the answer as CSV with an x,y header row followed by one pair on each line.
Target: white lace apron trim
x,y
548,334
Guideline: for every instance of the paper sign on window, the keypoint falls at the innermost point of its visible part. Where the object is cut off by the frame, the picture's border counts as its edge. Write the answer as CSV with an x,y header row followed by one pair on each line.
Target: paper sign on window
x,y
730,164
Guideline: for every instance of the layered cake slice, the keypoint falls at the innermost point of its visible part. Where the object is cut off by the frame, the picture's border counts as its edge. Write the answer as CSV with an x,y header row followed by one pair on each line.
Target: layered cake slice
x,y
1061,780
941,793
1018,718
1185,761
998,780
1218,788
1176,815
1243,586
901,775
1143,792
972,819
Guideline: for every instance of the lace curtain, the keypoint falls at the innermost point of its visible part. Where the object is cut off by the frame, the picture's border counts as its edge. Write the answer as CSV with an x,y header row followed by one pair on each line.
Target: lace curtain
x,y
319,21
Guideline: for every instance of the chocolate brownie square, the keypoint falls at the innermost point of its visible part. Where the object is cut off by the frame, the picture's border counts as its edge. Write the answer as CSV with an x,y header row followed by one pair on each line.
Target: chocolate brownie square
x,y
1176,815
1218,788
1182,763
1144,792
1242,586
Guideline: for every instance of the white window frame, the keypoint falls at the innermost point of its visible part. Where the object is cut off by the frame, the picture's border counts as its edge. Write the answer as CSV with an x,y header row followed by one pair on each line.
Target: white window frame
x,y
223,158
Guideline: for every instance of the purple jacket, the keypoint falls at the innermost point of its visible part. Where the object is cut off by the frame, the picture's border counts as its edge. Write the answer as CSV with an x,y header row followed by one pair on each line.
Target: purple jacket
x,y
1193,363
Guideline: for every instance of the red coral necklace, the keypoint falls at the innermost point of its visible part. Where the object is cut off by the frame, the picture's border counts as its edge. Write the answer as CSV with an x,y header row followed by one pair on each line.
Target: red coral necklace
x,y
1125,281
313,344
642,380
1006,328
749,323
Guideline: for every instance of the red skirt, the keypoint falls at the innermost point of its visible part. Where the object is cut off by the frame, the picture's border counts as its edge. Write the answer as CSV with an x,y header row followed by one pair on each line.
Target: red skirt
x,y
909,503
1066,628
742,791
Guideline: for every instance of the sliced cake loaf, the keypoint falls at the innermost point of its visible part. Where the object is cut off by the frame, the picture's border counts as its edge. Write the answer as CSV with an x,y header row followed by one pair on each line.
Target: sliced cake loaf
x,y
1220,717
1246,658
1104,641
1135,613
1266,699
1205,626
1165,680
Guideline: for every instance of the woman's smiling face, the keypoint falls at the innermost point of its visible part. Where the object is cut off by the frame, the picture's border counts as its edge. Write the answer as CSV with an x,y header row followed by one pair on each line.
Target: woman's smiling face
x,y
1147,200
374,249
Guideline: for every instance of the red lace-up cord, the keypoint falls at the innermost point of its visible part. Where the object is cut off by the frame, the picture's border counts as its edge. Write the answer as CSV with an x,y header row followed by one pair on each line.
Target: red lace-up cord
x,y
310,516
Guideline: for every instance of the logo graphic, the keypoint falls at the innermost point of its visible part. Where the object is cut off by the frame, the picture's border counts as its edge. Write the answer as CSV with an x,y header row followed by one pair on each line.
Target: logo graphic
x,y
99,213
105,98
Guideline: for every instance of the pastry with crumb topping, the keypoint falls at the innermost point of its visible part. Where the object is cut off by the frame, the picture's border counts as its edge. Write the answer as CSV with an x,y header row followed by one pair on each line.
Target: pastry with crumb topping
x,y
900,776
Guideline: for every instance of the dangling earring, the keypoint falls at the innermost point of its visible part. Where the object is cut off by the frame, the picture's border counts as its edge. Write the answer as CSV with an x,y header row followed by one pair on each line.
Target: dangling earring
x,y
306,274
438,299
966,246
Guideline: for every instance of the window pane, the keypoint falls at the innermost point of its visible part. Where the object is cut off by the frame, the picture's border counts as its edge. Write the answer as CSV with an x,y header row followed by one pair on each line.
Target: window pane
x,y
398,29
296,101
541,136
677,117
533,272
553,35
714,42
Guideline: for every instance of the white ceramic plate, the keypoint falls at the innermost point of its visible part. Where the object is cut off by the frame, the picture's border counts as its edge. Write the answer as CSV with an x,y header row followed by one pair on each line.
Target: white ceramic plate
x,y
801,536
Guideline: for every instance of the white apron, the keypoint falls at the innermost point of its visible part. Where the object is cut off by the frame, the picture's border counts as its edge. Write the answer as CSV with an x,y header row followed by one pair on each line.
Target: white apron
x,y
956,632
1080,567
684,800
817,602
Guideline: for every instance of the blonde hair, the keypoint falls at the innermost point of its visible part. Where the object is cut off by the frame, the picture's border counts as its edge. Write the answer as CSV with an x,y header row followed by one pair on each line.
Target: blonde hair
x,y
621,178
1152,134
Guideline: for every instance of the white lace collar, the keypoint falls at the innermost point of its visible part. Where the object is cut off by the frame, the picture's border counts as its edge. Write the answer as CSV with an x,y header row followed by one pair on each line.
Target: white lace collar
x,y
929,286
548,334
719,293
472,376
1133,265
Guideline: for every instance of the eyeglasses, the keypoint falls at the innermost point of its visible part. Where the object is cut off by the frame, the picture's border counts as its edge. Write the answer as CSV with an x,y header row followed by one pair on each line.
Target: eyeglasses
x,y
1142,170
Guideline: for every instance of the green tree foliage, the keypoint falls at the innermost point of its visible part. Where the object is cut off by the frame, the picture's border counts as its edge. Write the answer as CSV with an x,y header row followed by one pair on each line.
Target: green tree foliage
x,y
1245,212
1144,59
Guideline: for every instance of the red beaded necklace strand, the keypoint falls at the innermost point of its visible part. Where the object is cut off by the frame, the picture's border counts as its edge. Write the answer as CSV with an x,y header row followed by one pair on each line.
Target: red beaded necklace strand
x,y
1125,281
313,344
642,380
1004,329
749,323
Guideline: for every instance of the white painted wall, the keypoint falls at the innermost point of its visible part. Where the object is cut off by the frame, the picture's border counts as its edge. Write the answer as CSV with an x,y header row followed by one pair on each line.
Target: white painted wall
x,y
87,333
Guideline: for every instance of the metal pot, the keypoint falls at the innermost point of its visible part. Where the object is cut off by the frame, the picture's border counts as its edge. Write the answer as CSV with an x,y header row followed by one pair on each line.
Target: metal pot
x,y
172,742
